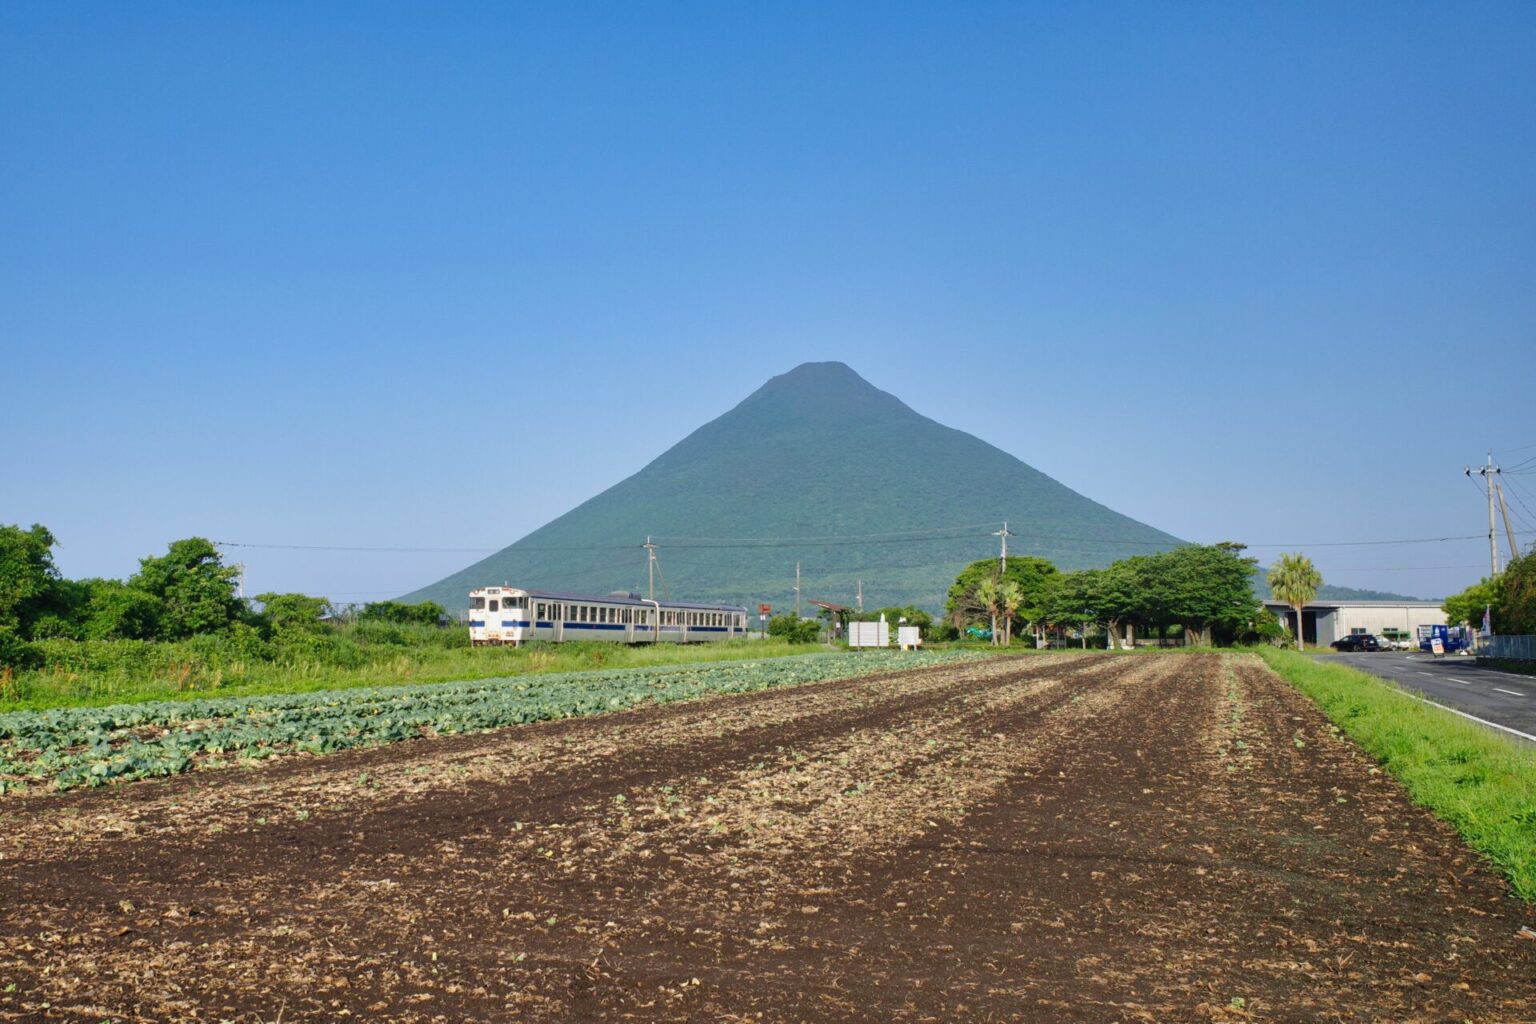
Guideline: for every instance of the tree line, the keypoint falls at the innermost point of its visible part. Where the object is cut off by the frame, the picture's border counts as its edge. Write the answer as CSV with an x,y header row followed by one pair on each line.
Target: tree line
x,y
1508,599
186,592
1204,590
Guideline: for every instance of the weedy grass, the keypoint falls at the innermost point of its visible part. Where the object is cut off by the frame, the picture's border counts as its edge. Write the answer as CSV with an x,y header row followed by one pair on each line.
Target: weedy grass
x,y
1482,783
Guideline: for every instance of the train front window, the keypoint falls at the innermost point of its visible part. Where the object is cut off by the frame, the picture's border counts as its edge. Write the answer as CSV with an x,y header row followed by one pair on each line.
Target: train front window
x,y
493,605
477,604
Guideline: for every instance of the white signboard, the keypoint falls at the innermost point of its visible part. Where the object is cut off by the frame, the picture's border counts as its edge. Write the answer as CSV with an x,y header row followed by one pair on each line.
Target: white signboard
x,y
869,634
909,637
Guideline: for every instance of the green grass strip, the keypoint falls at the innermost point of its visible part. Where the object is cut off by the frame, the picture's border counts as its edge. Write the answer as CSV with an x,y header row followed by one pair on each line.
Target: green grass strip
x,y
1479,781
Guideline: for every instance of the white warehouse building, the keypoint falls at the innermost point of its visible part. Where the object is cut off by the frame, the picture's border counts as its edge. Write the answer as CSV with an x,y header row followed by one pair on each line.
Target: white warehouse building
x,y
1325,621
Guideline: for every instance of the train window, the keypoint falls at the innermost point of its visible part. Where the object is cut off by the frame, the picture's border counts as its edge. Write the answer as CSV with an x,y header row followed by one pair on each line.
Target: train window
x,y
477,604
515,602
493,604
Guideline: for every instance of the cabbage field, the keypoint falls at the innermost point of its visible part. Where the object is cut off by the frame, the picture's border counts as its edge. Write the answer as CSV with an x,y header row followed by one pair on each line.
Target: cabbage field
x,y
73,747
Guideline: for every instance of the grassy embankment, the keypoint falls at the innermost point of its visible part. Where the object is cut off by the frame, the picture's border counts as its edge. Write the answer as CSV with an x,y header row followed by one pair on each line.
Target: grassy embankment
x,y
85,674
1482,783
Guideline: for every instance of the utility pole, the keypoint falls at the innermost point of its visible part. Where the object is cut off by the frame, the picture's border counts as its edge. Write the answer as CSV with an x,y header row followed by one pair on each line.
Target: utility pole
x,y
1487,472
797,591
861,597
1004,533
240,586
650,568
1509,530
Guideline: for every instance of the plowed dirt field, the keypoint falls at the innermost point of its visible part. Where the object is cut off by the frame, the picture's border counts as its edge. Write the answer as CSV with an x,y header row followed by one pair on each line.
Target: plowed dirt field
x,y
1073,838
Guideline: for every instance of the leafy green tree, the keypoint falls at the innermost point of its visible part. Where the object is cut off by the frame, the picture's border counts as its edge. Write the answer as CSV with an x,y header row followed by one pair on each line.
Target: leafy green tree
x,y
1035,577
1469,605
29,582
794,629
1080,596
1517,596
1294,580
115,611
194,587
294,613
1205,585
424,613
1260,627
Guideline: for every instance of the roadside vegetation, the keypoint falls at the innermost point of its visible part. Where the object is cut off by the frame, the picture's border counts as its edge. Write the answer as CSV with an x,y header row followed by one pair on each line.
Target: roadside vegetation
x,y
1482,783
1508,599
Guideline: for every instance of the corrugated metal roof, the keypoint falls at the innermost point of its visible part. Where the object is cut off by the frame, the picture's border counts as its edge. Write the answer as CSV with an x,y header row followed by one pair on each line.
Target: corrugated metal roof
x,y
1272,603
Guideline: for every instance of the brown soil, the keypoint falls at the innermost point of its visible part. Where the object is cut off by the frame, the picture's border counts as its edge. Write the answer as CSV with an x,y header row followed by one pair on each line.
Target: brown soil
x,y
1090,838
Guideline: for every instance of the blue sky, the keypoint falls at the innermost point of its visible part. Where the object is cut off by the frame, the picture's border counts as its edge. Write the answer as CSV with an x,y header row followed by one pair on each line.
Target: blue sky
x,y
291,274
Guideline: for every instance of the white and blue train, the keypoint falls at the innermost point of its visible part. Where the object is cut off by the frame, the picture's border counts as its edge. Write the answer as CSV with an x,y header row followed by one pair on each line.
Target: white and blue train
x,y
507,615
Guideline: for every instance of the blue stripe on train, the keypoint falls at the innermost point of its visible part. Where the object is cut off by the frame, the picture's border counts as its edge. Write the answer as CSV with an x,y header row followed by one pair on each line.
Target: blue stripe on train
x,y
547,624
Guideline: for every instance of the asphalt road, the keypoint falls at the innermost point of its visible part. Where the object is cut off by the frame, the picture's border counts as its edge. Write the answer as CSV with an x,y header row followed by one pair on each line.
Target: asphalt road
x,y
1506,700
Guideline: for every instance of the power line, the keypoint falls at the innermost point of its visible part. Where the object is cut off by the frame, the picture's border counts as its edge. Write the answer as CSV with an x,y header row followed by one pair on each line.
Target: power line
x,y
676,541
747,544
1526,516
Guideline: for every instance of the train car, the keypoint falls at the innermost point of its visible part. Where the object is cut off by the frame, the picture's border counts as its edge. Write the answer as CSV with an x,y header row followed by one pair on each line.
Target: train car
x,y
510,615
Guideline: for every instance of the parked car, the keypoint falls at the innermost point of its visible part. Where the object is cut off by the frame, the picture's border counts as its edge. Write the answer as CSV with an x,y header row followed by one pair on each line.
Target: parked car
x,y
1356,642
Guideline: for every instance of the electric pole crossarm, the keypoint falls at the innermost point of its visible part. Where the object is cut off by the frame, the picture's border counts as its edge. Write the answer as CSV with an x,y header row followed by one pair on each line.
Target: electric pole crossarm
x,y
1487,473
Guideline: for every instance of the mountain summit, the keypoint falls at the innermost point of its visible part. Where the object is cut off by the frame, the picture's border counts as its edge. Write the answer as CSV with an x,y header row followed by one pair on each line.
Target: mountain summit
x,y
820,467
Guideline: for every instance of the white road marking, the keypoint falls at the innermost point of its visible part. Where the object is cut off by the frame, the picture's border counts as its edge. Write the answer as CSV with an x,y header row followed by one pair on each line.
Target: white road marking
x,y
1463,682
1512,693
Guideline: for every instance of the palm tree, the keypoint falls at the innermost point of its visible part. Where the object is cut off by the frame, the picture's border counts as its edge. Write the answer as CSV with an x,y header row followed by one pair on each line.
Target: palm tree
x,y
1294,580
989,592
1010,595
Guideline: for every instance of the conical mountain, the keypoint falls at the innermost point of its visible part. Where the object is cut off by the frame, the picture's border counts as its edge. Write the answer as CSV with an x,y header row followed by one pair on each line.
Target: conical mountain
x,y
821,467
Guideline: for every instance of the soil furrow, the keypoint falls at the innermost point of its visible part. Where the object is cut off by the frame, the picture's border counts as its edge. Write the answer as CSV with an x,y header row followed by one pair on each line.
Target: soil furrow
x,y
1096,838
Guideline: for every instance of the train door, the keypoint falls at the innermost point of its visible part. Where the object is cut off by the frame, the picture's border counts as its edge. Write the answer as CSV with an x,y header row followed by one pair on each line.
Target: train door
x,y
557,621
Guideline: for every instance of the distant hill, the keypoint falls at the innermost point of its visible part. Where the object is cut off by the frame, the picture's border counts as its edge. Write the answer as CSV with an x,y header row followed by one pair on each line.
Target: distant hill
x,y
821,467
1330,592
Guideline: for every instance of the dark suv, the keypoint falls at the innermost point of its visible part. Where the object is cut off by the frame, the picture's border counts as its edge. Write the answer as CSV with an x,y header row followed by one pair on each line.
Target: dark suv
x,y
1356,642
